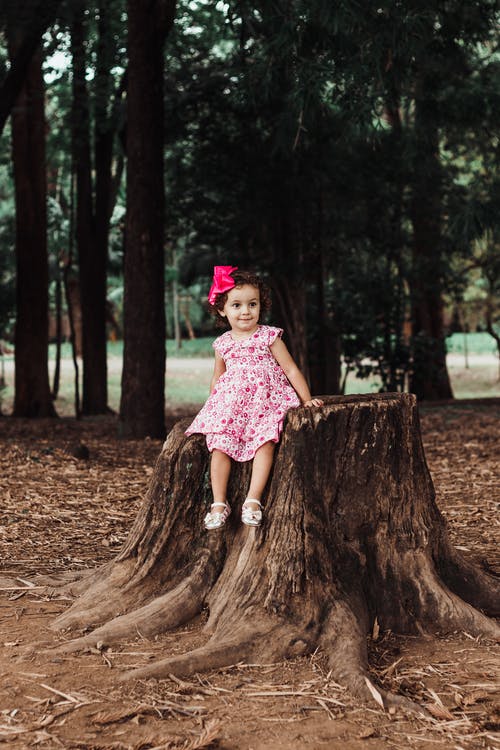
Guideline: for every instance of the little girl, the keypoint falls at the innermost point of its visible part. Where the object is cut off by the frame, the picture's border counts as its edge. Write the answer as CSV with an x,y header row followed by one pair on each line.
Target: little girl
x,y
255,382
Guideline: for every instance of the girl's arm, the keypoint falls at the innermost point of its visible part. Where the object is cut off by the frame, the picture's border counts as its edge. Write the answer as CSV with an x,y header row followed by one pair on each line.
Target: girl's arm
x,y
294,375
219,368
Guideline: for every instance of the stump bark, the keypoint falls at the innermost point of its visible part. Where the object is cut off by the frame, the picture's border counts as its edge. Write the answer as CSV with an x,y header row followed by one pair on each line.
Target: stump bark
x,y
352,533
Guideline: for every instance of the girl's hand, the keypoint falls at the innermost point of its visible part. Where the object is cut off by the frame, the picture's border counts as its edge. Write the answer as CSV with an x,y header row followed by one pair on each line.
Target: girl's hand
x,y
313,402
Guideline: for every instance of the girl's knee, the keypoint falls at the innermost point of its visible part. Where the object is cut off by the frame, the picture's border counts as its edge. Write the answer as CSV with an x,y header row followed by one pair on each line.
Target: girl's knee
x,y
266,448
220,457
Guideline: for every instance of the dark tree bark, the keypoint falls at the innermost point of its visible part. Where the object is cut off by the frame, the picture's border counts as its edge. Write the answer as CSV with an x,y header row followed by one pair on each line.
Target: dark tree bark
x,y
287,271
91,253
351,533
30,23
395,346
57,369
142,407
429,379
324,349
32,389
492,282
325,345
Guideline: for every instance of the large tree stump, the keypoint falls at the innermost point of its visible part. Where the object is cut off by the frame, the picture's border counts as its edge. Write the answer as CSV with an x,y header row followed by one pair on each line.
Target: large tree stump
x,y
352,533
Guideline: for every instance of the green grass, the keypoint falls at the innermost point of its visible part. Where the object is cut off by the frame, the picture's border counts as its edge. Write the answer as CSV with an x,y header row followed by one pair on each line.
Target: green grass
x,y
187,385
201,347
477,343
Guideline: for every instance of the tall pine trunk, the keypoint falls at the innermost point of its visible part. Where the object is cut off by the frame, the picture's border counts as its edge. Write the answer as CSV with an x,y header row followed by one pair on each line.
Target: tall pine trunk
x,y
288,272
32,389
429,379
394,339
31,21
91,254
325,347
142,407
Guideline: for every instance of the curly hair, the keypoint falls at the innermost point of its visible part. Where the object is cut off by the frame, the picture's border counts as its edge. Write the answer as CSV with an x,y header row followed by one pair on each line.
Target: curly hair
x,y
241,278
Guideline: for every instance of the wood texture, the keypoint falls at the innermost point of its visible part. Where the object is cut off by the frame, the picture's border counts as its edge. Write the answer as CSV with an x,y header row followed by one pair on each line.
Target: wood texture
x,y
32,390
352,535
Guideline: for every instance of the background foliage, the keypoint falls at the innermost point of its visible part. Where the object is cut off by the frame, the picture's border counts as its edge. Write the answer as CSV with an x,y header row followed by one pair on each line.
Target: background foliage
x,y
298,139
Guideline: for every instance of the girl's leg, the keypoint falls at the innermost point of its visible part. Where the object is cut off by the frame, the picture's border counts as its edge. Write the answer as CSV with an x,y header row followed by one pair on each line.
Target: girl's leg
x,y
220,466
261,468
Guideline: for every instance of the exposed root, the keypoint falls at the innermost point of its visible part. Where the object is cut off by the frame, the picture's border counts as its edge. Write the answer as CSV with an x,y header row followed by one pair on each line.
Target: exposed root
x,y
67,578
393,700
445,610
468,581
344,641
104,600
265,641
352,531
165,612
75,583
213,655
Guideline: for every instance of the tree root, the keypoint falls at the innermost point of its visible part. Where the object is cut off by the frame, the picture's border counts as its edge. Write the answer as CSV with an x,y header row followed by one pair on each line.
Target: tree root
x,y
121,592
174,608
76,583
246,643
468,581
344,641
106,599
341,637
445,610
213,655
352,533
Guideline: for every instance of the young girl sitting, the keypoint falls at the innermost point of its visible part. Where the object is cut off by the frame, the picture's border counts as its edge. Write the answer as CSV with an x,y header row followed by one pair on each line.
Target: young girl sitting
x,y
255,382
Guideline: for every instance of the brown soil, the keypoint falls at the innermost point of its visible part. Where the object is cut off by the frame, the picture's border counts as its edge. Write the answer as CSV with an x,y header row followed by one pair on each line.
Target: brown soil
x,y
61,511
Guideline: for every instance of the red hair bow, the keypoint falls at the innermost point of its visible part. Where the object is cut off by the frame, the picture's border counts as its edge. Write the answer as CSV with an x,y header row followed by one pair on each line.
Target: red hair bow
x,y
222,282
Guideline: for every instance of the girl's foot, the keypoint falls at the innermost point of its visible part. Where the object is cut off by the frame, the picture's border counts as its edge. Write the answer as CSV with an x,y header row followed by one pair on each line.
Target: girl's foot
x,y
216,519
251,513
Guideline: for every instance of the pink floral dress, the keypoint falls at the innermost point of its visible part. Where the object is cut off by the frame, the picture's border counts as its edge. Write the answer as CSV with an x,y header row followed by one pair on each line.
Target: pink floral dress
x,y
248,404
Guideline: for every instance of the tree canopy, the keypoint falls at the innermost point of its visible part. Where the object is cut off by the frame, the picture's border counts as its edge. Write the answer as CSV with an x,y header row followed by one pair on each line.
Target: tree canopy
x,y
348,153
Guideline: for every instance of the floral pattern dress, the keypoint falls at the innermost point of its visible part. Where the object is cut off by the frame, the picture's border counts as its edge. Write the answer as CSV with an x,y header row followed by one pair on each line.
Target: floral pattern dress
x,y
247,407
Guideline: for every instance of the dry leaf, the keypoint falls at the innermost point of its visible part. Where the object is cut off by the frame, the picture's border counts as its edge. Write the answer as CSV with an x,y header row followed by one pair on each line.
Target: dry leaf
x,y
368,732
439,711
121,714
375,693
475,697
210,734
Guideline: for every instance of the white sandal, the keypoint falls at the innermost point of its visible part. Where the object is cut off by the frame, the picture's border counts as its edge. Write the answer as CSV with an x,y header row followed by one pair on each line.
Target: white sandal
x,y
249,516
214,519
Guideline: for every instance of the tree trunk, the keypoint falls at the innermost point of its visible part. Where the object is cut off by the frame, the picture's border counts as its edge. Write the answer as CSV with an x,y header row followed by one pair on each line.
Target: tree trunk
x,y
57,368
351,533
291,296
489,313
395,350
41,15
325,347
142,407
32,389
91,255
429,379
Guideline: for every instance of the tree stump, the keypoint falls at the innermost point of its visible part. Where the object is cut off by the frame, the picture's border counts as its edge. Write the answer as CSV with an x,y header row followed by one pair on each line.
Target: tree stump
x,y
351,533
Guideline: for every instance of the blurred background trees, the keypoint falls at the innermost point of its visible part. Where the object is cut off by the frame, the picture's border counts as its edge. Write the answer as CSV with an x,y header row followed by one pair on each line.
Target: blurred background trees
x,y
348,153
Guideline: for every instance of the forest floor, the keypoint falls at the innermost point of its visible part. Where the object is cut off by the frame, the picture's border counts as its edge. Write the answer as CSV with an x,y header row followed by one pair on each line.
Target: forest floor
x,y
61,512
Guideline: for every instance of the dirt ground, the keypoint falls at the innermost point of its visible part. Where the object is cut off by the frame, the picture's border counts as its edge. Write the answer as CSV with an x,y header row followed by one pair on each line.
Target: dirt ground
x,y
61,509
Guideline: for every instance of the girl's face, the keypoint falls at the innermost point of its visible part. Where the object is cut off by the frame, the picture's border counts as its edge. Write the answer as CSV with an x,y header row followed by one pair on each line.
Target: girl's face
x,y
242,309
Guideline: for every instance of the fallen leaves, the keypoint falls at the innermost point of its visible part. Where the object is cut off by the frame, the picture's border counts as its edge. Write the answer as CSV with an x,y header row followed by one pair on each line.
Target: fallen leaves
x,y
60,513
